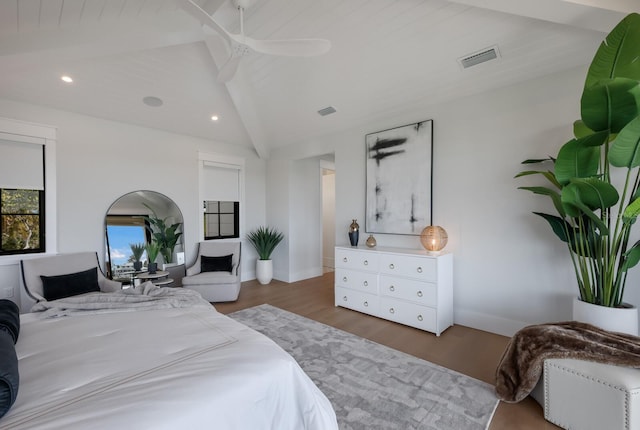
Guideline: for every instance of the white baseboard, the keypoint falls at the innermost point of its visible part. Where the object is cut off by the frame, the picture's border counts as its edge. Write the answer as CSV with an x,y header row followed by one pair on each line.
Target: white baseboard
x,y
486,322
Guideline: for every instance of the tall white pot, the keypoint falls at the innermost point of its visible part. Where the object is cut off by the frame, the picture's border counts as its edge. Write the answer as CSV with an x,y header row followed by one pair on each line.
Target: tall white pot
x,y
264,271
622,320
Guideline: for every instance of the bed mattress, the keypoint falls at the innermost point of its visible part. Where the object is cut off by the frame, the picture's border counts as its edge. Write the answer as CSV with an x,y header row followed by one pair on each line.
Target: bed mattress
x,y
188,368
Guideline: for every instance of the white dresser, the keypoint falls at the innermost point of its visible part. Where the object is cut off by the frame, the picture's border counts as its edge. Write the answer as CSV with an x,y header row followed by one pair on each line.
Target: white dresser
x,y
403,285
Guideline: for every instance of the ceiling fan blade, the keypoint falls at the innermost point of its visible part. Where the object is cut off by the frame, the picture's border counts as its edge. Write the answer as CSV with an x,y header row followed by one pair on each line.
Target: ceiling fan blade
x,y
290,47
229,69
204,18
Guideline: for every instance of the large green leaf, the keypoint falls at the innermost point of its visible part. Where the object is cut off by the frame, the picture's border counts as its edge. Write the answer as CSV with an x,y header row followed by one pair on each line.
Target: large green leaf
x,y
558,225
632,257
554,195
610,104
581,241
551,177
580,129
584,196
537,160
625,149
579,158
631,212
618,53
594,193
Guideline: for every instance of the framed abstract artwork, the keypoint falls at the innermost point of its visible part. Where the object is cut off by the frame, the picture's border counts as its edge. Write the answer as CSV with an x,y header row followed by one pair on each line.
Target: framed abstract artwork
x,y
399,179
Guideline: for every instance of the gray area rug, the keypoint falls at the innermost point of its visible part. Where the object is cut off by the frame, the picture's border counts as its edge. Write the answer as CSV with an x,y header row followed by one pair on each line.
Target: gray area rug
x,y
372,386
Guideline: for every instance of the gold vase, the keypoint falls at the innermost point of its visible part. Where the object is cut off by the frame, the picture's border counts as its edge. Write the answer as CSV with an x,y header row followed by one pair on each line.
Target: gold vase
x,y
371,241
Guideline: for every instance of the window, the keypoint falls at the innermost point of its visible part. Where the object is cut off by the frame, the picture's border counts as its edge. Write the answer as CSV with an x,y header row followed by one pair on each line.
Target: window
x,y
221,194
221,220
22,221
22,197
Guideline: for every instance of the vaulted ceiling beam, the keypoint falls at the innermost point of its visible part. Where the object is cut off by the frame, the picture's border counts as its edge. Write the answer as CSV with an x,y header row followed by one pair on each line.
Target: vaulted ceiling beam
x,y
599,15
240,96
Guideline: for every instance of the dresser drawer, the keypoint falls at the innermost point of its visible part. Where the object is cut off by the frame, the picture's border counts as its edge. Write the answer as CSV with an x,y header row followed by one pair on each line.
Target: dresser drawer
x,y
424,268
357,300
410,314
354,259
423,293
363,281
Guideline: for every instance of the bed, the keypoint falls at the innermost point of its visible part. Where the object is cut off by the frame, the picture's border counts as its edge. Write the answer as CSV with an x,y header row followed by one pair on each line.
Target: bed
x,y
191,367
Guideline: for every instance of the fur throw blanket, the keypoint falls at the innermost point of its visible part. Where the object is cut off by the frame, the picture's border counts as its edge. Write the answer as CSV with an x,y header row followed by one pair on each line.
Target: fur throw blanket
x,y
522,362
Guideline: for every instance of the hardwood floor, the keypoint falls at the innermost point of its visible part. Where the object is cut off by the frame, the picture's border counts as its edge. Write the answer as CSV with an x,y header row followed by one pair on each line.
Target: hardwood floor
x,y
473,352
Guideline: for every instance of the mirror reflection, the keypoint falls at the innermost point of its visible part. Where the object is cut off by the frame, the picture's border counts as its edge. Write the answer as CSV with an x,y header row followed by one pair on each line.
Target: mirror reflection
x,y
139,225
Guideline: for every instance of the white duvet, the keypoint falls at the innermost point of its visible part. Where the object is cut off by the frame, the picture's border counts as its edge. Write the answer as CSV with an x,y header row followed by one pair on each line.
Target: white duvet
x,y
190,368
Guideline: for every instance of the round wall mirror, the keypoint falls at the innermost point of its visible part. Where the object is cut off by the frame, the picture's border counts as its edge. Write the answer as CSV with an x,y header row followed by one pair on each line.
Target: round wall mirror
x,y
139,222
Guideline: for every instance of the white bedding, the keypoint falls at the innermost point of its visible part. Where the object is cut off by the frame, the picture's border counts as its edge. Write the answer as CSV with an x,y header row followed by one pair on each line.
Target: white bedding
x,y
188,368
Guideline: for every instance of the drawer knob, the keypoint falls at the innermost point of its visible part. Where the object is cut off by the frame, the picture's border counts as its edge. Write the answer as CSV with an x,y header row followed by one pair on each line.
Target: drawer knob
x,y
344,298
419,293
391,266
366,304
365,283
344,279
344,259
366,263
419,269
392,311
420,318
392,288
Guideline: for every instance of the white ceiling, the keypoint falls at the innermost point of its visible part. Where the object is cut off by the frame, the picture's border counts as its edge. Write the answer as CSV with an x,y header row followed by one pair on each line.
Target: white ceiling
x,y
387,57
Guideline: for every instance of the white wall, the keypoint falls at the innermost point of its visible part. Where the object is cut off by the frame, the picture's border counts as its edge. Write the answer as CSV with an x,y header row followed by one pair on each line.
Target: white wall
x,y
277,207
509,268
328,218
99,161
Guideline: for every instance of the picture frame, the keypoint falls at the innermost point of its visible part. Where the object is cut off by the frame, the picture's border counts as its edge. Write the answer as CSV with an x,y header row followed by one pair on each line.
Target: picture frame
x,y
399,179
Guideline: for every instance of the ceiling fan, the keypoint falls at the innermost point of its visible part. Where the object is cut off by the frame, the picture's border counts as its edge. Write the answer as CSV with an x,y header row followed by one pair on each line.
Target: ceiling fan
x,y
240,44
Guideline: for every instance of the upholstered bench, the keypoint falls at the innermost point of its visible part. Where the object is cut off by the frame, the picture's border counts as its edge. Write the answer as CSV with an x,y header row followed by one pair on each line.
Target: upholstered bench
x,y
583,395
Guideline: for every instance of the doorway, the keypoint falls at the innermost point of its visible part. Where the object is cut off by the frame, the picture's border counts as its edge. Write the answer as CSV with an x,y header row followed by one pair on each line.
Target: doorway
x,y
328,176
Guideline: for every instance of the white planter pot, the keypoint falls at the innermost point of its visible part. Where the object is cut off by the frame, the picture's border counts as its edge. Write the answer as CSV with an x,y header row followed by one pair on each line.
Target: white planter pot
x,y
264,271
622,320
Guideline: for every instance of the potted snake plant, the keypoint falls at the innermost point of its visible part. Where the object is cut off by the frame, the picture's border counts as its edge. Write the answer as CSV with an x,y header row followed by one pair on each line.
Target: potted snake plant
x,y
153,249
137,249
264,240
593,181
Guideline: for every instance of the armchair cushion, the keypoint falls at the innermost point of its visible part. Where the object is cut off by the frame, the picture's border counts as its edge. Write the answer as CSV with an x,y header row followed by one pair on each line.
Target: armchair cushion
x,y
70,284
213,278
216,264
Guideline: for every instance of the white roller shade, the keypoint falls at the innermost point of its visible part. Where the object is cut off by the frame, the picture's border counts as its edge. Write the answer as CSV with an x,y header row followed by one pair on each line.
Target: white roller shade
x,y
21,165
220,183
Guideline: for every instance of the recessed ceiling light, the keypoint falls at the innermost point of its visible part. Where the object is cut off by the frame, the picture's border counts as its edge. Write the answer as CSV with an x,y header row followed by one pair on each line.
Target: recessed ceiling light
x,y
214,117
152,101
66,79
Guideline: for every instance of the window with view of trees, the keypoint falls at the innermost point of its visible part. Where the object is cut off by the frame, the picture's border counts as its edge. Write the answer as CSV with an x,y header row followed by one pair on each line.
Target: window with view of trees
x,y
21,221
22,195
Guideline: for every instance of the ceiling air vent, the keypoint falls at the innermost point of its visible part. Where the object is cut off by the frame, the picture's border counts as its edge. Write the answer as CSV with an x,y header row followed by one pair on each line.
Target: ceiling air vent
x,y
479,57
327,111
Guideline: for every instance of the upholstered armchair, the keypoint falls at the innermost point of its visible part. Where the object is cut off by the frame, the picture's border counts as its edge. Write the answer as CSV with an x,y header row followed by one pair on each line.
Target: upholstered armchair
x,y
57,265
216,271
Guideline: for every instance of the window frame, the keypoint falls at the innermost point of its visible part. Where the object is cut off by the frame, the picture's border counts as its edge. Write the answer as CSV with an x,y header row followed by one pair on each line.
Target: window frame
x,y
41,225
27,132
226,162
236,220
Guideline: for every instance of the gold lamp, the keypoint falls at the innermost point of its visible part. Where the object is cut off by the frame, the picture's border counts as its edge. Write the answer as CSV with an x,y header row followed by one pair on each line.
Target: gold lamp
x,y
434,238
